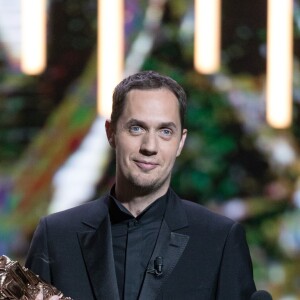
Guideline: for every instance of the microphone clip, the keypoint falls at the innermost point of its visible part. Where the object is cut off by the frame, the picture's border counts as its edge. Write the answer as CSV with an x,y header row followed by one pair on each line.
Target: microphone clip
x,y
158,267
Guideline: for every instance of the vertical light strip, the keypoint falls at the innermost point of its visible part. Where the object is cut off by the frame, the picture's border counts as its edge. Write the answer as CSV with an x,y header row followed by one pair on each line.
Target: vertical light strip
x,y
279,63
33,36
207,35
110,51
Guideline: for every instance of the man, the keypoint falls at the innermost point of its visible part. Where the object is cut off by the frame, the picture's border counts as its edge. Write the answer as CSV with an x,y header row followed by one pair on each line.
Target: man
x,y
141,241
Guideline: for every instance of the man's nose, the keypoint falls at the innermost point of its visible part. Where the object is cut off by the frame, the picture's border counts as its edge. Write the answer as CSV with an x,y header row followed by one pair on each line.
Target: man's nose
x,y
149,144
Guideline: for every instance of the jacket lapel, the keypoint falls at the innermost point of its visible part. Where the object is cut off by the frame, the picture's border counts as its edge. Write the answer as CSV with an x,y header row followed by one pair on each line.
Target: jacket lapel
x,y
170,246
96,246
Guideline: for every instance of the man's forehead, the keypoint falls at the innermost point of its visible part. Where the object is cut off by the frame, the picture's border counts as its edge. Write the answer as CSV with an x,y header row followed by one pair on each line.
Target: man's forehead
x,y
151,105
163,97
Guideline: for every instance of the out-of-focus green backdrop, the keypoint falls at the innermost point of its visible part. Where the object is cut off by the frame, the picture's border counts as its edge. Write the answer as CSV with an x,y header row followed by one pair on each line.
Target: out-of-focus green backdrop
x,y
233,162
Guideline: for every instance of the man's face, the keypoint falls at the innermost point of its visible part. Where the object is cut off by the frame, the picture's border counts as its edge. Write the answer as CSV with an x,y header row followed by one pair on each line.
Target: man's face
x,y
147,139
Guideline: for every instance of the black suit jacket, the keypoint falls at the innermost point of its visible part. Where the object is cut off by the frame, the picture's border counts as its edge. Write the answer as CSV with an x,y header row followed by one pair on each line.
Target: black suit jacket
x,y
205,255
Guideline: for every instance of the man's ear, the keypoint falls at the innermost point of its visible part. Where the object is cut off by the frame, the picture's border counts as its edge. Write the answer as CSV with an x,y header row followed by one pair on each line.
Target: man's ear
x,y
110,133
182,141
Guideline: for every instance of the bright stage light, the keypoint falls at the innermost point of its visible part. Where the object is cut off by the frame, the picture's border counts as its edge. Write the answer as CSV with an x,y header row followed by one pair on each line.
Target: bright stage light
x,y
279,63
207,36
110,51
33,36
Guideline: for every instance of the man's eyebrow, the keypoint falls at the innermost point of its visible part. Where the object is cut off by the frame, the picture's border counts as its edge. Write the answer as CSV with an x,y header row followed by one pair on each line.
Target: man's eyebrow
x,y
168,125
134,122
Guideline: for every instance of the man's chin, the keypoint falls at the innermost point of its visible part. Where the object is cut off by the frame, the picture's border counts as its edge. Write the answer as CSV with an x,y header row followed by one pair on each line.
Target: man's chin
x,y
146,187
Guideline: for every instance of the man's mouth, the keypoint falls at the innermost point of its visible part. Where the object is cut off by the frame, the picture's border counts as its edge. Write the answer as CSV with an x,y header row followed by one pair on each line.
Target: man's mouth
x,y
145,165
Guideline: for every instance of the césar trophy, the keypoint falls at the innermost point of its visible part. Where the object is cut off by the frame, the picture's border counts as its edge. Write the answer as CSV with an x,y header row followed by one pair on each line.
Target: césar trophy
x,y
17,282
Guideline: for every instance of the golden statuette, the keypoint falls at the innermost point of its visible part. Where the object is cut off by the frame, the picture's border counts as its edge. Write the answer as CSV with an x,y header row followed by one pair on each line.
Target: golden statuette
x,y
17,282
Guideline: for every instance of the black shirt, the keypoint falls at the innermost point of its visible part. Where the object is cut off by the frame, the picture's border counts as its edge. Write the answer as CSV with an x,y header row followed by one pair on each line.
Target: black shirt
x,y
133,243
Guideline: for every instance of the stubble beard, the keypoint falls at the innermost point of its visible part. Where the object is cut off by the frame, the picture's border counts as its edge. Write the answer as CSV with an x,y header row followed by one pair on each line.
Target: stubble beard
x,y
144,186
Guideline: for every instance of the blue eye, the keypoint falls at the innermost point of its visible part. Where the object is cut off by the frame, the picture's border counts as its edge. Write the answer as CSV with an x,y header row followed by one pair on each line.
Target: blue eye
x,y
166,132
135,129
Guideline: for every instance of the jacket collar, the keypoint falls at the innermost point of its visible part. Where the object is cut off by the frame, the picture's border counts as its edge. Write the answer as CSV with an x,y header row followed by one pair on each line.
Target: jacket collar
x,y
96,247
175,215
170,246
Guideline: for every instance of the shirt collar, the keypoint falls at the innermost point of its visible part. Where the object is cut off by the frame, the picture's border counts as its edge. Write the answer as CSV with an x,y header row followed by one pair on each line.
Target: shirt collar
x,y
119,214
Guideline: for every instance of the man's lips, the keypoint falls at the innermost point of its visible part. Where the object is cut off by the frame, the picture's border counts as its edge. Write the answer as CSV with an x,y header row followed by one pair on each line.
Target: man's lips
x,y
145,165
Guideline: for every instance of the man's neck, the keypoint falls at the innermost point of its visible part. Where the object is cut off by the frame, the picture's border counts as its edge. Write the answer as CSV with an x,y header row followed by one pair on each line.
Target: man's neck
x,y
137,202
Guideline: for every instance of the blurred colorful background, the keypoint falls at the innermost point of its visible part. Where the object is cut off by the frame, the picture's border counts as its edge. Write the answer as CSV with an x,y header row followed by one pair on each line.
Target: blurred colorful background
x,y
53,149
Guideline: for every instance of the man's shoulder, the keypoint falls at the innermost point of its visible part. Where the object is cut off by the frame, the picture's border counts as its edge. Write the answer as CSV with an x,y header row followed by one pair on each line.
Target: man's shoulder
x,y
199,214
87,211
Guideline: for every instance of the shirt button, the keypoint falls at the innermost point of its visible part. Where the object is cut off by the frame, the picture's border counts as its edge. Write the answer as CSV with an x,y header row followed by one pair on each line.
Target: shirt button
x,y
133,223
